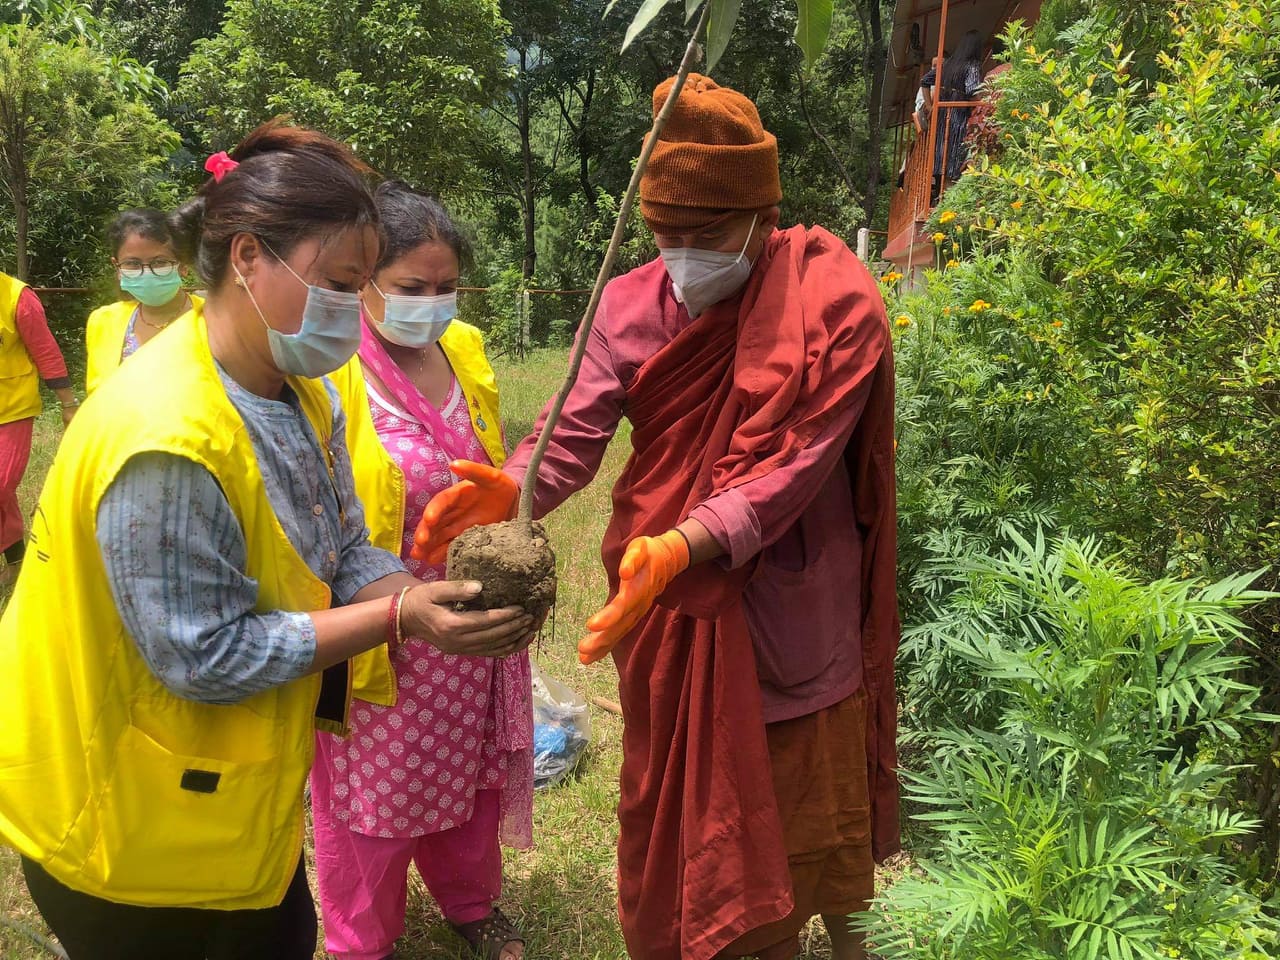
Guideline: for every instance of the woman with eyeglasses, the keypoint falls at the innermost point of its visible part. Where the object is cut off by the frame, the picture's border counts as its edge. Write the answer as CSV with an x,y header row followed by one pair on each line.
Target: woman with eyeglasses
x,y
150,274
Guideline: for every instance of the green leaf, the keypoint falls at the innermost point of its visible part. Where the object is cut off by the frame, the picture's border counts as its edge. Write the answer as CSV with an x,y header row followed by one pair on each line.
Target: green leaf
x,y
724,14
644,16
690,8
813,28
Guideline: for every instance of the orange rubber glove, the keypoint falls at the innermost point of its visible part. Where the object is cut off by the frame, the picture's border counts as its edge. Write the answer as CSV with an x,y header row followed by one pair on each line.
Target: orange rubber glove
x,y
485,495
649,564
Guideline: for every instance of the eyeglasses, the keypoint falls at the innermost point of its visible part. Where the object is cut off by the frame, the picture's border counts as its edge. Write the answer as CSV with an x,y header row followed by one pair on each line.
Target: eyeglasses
x,y
160,267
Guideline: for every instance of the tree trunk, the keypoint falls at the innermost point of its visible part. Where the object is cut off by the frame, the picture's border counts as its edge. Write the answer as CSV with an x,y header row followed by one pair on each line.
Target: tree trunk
x,y
14,157
528,202
22,212
584,145
876,59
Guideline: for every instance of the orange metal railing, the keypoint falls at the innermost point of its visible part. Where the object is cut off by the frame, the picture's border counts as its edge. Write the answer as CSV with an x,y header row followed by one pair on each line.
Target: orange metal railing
x,y
911,203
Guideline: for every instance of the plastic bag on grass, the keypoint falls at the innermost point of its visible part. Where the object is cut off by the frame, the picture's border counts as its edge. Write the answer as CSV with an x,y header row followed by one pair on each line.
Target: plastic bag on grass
x,y
561,730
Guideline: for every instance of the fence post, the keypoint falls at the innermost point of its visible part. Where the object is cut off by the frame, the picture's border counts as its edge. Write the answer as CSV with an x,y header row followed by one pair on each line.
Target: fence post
x,y
526,321
864,244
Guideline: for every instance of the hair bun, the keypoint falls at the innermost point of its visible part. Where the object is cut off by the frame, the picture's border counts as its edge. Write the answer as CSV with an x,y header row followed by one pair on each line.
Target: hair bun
x,y
280,135
186,223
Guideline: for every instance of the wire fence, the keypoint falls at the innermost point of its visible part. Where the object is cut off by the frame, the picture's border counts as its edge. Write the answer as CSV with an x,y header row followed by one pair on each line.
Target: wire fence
x,y
514,319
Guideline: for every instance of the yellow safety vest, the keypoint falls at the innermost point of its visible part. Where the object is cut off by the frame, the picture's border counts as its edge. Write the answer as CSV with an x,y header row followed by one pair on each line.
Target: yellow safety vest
x,y
19,382
104,338
380,483
119,788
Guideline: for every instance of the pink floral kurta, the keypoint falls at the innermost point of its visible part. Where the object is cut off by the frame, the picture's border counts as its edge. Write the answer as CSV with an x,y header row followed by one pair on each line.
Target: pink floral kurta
x,y
460,724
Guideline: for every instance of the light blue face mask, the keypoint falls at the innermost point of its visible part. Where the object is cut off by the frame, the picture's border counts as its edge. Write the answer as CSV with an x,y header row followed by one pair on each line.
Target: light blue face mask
x,y
416,322
330,333
150,290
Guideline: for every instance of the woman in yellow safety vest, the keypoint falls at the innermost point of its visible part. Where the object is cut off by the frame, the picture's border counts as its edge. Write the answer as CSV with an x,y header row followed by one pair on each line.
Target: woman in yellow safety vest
x,y
452,754
28,354
200,574
150,274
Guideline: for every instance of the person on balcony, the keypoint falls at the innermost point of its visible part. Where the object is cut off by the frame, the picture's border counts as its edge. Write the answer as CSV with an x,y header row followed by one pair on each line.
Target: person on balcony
x,y
961,79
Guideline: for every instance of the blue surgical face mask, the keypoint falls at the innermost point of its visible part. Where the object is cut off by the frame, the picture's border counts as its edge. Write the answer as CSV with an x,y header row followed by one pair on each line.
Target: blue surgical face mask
x,y
330,333
416,322
705,277
150,290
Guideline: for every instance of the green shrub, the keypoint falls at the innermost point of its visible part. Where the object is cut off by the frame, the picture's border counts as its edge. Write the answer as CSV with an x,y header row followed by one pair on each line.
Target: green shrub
x,y
1069,819
1126,242
1150,215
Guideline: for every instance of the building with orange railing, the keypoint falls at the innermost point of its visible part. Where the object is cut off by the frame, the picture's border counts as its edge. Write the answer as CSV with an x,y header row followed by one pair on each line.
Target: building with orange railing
x,y
922,31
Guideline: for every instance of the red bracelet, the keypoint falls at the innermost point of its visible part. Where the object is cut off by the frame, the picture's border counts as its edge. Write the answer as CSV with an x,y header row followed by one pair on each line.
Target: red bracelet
x,y
393,624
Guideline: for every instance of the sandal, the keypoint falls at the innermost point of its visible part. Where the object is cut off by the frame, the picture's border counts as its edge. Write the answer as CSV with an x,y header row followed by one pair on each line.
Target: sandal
x,y
491,936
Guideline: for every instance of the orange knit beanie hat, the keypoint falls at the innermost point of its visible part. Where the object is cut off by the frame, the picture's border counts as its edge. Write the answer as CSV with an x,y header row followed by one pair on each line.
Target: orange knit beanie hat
x,y
714,155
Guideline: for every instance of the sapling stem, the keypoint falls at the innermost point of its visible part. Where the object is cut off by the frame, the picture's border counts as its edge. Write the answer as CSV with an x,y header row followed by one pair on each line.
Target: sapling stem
x,y
691,54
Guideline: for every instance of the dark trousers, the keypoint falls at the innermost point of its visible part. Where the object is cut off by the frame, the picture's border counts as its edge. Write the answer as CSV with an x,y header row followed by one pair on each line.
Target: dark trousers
x,y
93,929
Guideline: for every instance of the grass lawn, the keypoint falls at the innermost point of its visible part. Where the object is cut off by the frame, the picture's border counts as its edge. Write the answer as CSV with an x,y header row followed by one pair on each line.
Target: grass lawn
x,y
563,891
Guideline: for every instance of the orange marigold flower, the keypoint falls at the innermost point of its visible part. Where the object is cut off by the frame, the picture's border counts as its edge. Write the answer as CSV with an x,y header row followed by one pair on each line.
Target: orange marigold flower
x,y
939,237
947,216
902,322
953,263
1057,323
946,311
1017,204
978,306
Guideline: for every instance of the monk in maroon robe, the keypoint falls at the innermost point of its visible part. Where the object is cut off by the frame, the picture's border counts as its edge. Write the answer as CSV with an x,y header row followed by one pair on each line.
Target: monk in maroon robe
x,y
751,552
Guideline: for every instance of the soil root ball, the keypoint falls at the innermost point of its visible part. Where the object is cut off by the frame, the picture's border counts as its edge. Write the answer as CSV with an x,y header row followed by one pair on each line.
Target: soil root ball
x,y
513,560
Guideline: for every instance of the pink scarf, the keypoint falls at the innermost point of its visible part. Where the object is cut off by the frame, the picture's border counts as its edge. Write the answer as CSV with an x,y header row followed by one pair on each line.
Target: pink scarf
x,y
374,356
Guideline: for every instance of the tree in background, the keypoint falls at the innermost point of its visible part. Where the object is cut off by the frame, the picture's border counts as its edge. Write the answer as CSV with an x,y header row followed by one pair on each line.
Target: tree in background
x,y
569,131
78,138
161,32
402,82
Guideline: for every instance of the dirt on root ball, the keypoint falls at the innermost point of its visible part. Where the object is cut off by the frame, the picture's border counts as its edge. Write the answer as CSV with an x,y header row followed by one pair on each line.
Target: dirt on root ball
x,y
514,562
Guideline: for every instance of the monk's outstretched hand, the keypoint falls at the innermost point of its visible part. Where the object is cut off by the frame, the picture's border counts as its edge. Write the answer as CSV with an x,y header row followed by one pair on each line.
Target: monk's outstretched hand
x,y
485,495
648,565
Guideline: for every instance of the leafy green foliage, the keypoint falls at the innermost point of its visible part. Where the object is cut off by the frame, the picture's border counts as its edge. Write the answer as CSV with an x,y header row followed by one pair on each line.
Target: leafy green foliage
x,y
1095,349
78,140
161,32
1068,820
812,29
403,83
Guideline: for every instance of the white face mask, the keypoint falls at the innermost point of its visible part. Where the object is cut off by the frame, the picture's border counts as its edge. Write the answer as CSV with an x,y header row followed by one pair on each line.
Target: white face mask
x,y
705,277
416,322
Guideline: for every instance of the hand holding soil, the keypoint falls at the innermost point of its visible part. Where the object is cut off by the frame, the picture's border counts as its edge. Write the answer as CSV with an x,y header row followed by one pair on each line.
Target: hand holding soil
x,y
428,613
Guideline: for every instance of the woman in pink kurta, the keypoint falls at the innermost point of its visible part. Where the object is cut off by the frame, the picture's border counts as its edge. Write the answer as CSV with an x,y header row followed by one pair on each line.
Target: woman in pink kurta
x,y
445,775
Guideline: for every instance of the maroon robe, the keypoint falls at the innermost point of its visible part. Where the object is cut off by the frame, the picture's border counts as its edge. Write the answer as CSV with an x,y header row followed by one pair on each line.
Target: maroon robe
x,y
701,858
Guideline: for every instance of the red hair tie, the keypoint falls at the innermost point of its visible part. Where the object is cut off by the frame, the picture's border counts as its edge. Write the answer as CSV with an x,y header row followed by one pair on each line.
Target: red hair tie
x,y
219,164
